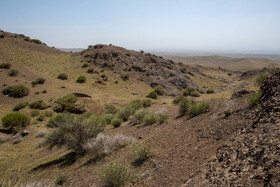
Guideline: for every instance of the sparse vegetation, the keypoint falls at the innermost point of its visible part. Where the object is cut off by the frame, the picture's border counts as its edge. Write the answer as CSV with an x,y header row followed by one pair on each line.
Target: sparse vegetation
x,y
210,91
261,78
159,90
117,174
16,91
34,113
254,100
15,121
60,180
227,113
74,134
38,105
5,65
129,110
90,70
178,99
59,119
192,108
36,41
2,36
69,103
38,81
116,122
141,152
62,76
13,73
20,106
194,94
152,95
85,65
81,79
147,103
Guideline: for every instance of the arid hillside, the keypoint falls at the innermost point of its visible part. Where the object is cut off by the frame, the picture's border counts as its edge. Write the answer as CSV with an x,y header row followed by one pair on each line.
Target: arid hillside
x,y
108,116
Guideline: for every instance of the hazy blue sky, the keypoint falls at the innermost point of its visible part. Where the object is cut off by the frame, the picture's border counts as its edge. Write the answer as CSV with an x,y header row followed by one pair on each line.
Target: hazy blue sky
x,y
237,25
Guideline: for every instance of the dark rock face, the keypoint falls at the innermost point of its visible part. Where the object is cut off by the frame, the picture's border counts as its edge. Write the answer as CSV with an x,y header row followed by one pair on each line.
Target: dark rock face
x,y
252,155
150,68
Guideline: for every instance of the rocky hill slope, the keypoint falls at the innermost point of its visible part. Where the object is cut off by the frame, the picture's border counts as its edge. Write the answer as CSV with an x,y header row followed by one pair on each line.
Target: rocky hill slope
x,y
151,69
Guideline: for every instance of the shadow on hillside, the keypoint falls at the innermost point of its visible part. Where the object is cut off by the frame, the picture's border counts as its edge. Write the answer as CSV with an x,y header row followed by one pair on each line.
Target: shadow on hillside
x,y
63,161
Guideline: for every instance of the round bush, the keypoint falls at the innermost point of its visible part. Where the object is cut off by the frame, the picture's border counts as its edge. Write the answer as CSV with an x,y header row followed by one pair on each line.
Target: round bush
x,y
152,95
16,91
62,76
15,120
116,122
81,79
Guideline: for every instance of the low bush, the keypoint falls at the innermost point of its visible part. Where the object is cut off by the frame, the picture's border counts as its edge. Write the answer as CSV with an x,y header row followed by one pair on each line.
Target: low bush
x,y
140,115
48,113
13,73
60,180
227,113
254,100
261,78
44,91
15,121
40,118
81,79
20,106
178,99
198,108
73,134
36,41
111,109
16,91
38,105
152,95
107,118
59,119
5,65
34,113
150,118
162,118
129,110
141,152
124,77
210,91
192,108
116,122
85,65
104,144
147,103
90,70
62,76
69,103
159,90
194,94
117,174
38,81
2,36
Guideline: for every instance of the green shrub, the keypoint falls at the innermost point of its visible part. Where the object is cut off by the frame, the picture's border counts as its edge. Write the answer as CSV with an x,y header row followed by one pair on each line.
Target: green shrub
x,y
5,65
197,108
152,95
190,89
140,115
159,90
150,118
41,118
38,81
2,36
178,99
59,119
210,91
69,103
129,110
73,134
124,77
20,106
60,180
16,91
162,118
254,100
111,109
116,122
36,41
141,152
15,121
62,76
13,73
38,105
227,113
81,79
48,113
107,118
117,174
34,113
194,94
184,105
44,91
37,92
85,65
229,74
261,78
147,103
90,70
